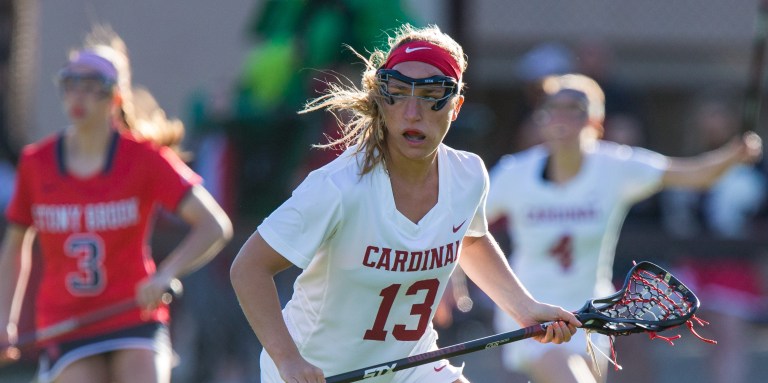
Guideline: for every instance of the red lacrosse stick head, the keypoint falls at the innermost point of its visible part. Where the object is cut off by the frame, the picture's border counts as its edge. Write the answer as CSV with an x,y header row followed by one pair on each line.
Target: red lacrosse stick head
x,y
651,300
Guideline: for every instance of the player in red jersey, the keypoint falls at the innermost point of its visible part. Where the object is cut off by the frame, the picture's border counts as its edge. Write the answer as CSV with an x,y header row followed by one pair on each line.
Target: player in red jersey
x,y
89,194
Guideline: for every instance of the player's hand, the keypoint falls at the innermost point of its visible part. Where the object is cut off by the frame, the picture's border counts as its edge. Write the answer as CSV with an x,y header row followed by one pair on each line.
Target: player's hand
x,y
300,371
154,290
750,147
563,326
557,332
8,352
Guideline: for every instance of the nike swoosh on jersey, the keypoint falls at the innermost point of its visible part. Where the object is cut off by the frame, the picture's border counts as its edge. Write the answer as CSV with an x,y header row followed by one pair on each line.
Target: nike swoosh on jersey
x,y
409,49
456,228
438,369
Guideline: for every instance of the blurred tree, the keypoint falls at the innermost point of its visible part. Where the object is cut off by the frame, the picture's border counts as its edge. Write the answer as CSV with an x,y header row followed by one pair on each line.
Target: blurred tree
x,y
294,42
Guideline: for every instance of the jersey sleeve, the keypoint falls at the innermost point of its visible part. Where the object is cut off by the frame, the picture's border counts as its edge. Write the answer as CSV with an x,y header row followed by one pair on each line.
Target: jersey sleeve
x,y
494,206
19,209
299,227
171,178
642,171
478,227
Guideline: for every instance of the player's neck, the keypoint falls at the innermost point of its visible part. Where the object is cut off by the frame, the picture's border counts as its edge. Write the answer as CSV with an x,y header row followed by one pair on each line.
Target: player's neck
x,y
89,138
415,172
415,200
562,166
415,187
86,153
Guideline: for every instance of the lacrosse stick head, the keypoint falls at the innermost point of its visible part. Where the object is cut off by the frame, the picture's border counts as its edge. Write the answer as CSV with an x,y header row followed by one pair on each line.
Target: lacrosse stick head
x,y
651,300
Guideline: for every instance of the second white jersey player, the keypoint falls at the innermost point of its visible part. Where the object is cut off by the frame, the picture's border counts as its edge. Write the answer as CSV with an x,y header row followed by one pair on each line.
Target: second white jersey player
x,y
566,201
564,236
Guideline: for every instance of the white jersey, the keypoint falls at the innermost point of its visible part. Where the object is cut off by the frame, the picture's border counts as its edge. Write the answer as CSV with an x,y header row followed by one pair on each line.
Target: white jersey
x,y
564,236
372,278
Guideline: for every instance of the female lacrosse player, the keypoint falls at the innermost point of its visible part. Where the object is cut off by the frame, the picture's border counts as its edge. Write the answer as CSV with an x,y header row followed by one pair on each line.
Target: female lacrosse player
x,y
566,200
379,230
89,192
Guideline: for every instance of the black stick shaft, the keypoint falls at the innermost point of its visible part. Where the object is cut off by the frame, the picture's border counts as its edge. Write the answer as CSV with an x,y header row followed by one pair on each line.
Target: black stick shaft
x,y
96,316
75,323
441,353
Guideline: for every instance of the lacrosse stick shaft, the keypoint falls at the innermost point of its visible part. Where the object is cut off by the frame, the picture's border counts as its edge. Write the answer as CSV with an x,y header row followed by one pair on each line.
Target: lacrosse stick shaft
x,y
441,353
674,303
75,323
95,316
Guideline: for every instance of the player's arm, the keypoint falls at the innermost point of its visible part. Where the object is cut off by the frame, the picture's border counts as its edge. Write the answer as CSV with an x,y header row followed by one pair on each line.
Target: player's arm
x,y
701,171
210,230
485,264
15,265
252,275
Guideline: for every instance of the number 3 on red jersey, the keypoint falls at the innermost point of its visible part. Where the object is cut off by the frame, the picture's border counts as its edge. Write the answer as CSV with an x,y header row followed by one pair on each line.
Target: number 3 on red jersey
x,y
90,277
423,310
562,251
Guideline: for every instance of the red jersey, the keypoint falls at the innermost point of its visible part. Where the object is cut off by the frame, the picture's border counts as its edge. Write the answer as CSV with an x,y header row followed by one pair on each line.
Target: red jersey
x,y
93,232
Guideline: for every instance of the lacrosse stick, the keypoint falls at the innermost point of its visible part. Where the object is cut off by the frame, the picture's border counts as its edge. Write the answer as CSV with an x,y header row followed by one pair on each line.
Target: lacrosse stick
x,y
651,301
74,323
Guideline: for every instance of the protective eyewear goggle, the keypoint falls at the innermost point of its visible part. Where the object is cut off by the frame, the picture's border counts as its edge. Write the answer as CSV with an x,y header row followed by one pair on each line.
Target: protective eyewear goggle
x,y
89,82
393,85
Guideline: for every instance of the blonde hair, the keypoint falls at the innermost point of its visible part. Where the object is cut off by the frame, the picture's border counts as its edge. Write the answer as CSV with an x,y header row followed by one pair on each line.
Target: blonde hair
x,y
583,84
139,112
364,125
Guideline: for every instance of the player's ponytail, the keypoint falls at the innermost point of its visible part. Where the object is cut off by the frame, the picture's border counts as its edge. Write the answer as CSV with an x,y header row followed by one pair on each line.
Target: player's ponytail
x,y
137,110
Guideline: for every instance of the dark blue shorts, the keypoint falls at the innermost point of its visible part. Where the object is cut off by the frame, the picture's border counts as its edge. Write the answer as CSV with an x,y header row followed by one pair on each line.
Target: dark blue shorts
x,y
56,357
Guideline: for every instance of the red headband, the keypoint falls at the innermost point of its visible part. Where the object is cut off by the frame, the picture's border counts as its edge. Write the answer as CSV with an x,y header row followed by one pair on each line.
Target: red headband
x,y
426,52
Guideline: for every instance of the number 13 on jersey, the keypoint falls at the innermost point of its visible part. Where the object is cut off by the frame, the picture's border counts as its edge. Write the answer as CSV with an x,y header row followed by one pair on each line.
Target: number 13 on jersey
x,y
423,310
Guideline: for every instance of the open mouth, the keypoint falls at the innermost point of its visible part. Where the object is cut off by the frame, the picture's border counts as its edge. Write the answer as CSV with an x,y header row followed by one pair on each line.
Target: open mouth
x,y
77,111
414,136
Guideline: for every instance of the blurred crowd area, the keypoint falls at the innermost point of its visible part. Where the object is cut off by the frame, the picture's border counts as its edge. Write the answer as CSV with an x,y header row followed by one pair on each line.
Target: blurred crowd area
x,y
252,149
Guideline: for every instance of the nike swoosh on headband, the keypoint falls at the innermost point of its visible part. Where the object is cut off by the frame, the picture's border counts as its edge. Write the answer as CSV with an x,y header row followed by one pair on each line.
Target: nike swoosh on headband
x,y
410,49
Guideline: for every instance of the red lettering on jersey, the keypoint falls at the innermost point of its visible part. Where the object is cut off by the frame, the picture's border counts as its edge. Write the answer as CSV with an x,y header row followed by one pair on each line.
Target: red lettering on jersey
x,y
400,258
410,261
562,213
449,254
368,251
416,259
437,259
384,260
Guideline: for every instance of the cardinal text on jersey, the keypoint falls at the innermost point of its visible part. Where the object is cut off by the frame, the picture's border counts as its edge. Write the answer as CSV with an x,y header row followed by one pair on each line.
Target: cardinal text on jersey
x,y
384,258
